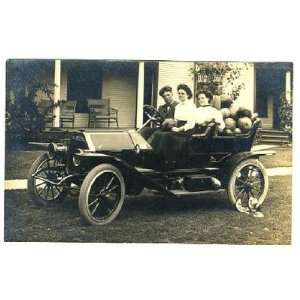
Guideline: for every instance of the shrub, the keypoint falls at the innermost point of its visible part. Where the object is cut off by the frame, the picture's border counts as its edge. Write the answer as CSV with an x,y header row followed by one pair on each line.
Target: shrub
x,y
24,121
286,115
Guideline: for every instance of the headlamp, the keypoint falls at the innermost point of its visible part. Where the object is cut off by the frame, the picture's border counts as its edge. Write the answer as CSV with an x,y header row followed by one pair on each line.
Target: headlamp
x,y
56,149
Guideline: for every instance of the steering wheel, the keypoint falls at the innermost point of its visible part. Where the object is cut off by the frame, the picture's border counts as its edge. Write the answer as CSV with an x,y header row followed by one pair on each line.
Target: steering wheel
x,y
153,114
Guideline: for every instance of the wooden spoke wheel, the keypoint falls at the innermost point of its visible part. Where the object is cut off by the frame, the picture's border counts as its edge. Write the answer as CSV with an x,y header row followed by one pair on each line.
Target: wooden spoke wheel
x,y
248,180
42,178
101,195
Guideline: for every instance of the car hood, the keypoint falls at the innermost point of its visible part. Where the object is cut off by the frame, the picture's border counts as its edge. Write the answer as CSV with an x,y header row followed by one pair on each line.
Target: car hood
x,y
115,140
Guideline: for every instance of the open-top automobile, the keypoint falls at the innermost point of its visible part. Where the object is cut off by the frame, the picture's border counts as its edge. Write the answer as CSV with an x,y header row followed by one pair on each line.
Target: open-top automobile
x,y
105,165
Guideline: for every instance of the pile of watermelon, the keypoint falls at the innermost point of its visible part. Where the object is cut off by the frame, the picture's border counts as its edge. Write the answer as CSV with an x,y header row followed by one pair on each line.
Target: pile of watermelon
x,y
237,120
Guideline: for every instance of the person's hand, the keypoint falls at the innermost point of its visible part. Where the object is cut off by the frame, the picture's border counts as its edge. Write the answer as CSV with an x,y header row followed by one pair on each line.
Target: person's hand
x,y
168,124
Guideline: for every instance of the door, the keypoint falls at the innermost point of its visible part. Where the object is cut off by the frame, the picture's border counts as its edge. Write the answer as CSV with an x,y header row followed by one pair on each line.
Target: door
x,y
84,82
269,89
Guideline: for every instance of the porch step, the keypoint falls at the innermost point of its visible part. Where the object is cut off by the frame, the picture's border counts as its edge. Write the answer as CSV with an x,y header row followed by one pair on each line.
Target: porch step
x,y
274,132
273,141
273,136
270,136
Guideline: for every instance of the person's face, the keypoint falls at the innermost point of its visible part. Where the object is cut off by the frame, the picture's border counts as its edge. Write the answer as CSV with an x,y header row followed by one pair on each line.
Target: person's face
x,y
168,97
182,95
203,100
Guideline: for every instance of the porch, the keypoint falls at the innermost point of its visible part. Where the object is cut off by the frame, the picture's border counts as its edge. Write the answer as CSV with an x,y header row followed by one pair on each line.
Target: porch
x,y
127,85
272,82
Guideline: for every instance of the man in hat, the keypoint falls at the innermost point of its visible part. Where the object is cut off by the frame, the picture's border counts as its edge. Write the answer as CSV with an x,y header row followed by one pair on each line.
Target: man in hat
x,y
167,110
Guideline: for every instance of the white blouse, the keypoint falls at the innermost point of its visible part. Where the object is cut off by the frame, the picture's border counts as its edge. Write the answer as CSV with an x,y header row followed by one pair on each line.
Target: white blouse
x,y
185,111
207,114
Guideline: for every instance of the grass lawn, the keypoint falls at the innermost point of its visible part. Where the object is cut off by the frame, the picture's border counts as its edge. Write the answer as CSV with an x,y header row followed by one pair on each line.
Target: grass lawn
x,y
18,163
150,218
283,158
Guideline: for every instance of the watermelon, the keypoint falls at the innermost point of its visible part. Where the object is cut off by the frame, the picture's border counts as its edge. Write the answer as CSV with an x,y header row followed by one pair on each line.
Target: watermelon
x,y
227,131
230,123
244,124
243,112
233,110
225,112
237,131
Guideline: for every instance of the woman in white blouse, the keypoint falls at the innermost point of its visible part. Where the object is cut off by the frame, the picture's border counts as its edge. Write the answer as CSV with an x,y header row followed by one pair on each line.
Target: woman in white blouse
x,y
205,112
169,146
184,110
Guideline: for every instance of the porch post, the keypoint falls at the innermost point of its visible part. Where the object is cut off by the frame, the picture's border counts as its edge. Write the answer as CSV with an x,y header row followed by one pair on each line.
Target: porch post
x,y
56,110
140,95
288,86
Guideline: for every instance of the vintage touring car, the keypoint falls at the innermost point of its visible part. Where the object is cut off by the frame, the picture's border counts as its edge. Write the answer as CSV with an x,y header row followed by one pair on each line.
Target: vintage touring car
x,y
104,166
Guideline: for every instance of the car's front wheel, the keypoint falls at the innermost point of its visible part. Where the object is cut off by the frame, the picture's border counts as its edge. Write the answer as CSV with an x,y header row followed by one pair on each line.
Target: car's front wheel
x,y
101,195
43,181
248,184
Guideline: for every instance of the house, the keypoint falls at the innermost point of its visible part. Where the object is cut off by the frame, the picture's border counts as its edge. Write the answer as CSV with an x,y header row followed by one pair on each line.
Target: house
x,y
131,84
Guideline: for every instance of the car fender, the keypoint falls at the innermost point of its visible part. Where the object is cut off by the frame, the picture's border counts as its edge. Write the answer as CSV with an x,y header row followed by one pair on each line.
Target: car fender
x,y
89,160
134,180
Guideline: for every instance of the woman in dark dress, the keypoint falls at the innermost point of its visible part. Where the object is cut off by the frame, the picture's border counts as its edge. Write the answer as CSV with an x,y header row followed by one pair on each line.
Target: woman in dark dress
x,y
169,145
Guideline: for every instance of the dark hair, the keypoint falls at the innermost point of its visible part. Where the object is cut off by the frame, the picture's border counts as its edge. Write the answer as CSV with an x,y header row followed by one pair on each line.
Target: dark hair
x,y
184,87
207,94
164,89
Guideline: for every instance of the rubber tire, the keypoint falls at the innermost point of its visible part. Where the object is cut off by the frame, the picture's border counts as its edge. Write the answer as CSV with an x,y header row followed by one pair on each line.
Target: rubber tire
x,y
230,187
84,190
30,184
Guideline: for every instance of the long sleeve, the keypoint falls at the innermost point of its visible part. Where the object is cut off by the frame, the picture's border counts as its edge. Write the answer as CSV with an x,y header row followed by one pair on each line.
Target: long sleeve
x,y
207,114
186,112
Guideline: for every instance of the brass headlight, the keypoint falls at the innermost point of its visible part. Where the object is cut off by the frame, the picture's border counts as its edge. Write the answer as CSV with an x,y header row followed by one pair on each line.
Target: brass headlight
x,y
56,149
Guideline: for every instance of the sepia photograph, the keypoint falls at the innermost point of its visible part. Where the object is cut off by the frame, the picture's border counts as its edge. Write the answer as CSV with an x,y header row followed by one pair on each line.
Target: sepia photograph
x,y
142,151
149,150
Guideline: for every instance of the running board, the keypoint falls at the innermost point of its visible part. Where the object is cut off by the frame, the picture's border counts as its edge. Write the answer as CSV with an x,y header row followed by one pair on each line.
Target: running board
x,y
179,193
175,172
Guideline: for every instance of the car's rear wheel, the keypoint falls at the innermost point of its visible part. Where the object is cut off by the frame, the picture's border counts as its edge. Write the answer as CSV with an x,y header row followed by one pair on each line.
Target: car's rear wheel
x,y
42,180
248,180
101,195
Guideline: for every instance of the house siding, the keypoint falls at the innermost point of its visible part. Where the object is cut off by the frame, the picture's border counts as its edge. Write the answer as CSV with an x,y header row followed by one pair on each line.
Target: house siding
x,y
122,91
247,95
172,74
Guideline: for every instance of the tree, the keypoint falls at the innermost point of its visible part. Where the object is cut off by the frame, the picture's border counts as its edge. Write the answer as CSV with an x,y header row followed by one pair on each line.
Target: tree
x,y
24,120
220,78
